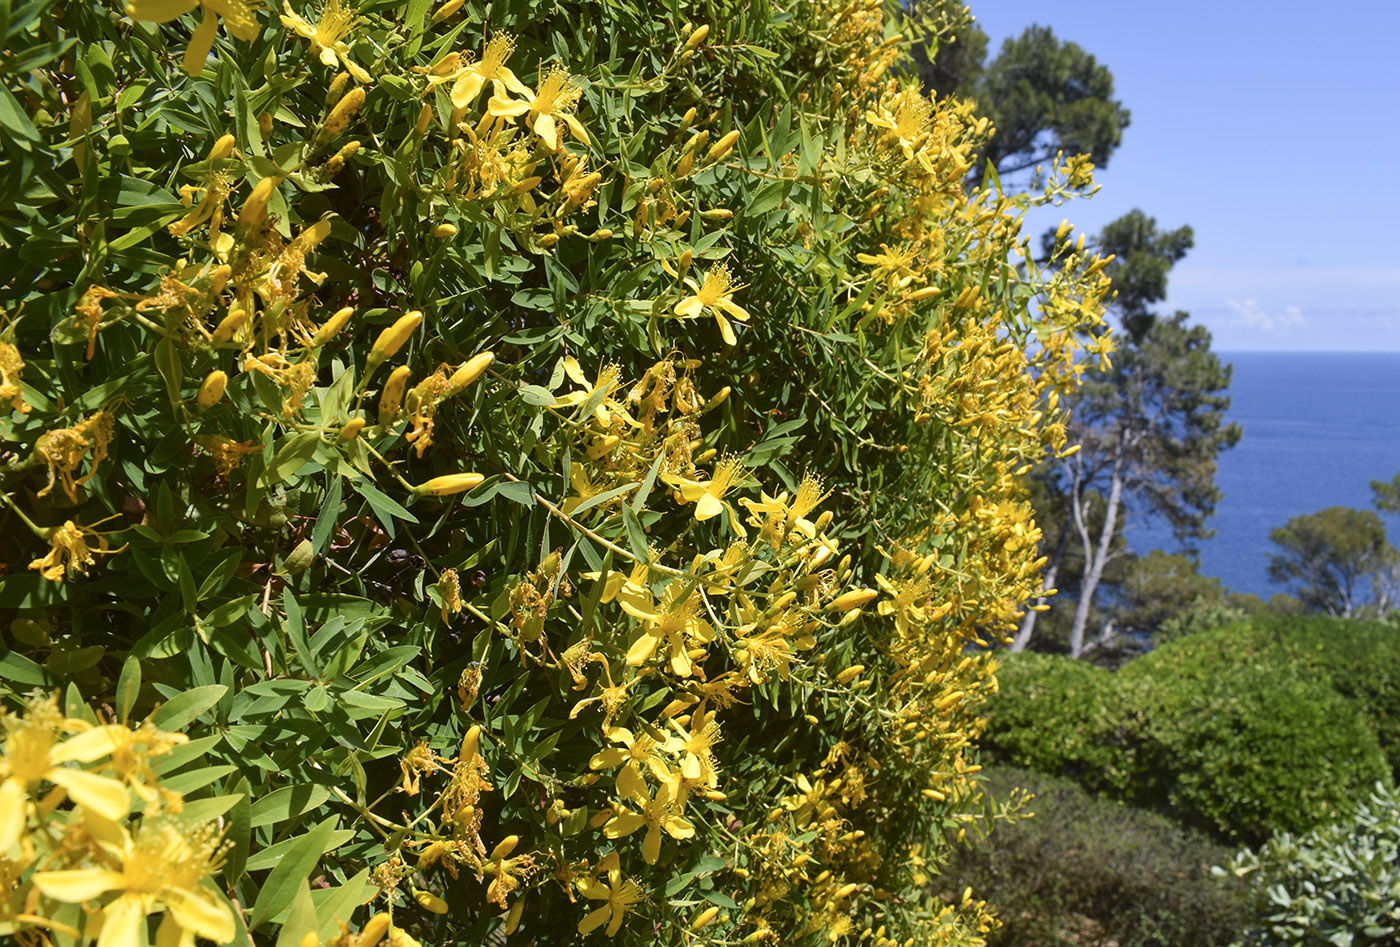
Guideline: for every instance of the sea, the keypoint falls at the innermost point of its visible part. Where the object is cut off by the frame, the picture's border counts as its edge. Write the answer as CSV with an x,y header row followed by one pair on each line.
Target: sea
x,y
1318,428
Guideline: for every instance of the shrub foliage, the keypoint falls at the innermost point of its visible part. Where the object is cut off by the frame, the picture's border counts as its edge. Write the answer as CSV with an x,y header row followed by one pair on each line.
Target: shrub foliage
x,y
550,462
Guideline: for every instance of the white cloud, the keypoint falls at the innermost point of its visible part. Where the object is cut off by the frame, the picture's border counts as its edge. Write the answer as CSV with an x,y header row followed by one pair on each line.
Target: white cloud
x,y
1248,315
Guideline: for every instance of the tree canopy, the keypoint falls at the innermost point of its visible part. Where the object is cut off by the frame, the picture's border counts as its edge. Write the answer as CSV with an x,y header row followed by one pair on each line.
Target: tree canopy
x,y
1330,559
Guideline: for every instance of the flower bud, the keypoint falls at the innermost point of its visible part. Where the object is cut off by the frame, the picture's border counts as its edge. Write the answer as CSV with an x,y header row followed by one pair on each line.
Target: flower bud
x,y
470,371
222,148
850,674
393,338
352,429
471,743
213,389
425,116
374,930
853,599
446,10
504,847
228,325
717,213
705,917
426,899
448,485
310,939
391,399
513,918
722,147
255,207
332,326
443,231
340,116
697,37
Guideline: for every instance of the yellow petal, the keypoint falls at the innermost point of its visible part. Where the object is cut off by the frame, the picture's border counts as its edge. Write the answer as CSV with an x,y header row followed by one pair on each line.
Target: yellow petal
x,y
631,785
594,918
506,108
329,58
725,329
12,813
200,43
620,826
466,89
161,11
642,649
122,922
79,884
707,507
546,129
86,747
513,84
198,911
171,934
101,794
607,759
651,845
677,827
616,923
734,309
689,307
576,127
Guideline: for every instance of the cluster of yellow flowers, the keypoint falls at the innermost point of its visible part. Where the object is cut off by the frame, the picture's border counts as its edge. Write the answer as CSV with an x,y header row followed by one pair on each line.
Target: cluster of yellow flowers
x,y
68,837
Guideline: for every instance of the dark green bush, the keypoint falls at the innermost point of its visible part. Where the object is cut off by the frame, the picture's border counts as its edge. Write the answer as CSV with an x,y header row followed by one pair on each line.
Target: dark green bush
x,y
1245,742
1055,714
1241,732
1089,871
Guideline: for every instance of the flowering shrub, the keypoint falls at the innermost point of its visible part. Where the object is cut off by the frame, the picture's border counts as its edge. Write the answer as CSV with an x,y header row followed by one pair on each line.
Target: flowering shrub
x,y
550,462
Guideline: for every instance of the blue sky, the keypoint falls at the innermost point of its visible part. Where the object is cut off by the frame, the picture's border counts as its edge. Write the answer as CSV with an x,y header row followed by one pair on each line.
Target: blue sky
x,y
1271,129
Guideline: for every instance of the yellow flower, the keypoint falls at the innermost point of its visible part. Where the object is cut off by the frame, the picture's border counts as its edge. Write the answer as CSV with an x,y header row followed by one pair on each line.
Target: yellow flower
x,y
71,553
714,294
639,749
555,99
790,516
492,68
619,895
337,19
657,813
695,747
708,496
33,754
237,14
676,619
163,865
11,368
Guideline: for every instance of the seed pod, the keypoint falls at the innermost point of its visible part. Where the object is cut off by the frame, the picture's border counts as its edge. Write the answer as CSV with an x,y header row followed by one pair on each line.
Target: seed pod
x,y
504,847
722,147
428,900
469,371
391,400
352,429
392,339
213,389
332,326
448,485
228,325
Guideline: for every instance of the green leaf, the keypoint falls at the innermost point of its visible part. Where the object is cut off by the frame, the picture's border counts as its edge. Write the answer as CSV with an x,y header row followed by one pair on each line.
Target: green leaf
x,y
281,886
239,834
288,803
336,905
128,686
301,919
295,453
536,395
181,710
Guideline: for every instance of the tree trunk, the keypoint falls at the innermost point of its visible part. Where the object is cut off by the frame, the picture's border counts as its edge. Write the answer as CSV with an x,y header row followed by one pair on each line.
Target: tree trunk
x,y
1095,557
1023,635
